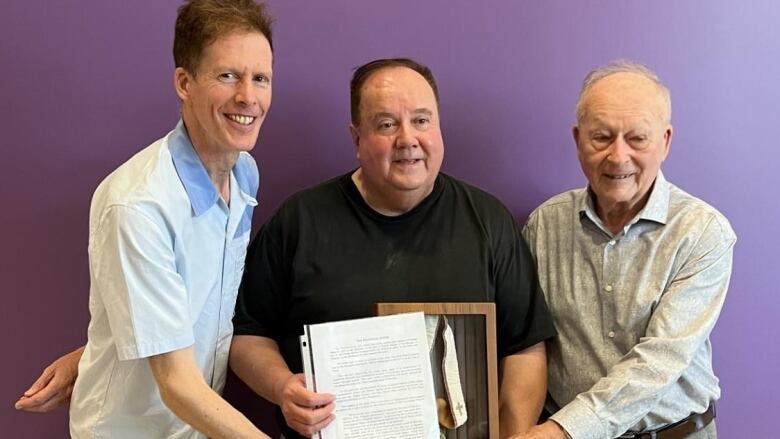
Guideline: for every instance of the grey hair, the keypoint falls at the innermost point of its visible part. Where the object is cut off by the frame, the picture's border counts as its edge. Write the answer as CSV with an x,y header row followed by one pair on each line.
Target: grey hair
x,y
623,66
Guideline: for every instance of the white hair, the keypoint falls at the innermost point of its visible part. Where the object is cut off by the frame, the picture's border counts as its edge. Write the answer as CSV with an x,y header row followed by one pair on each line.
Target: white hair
x,y
623,66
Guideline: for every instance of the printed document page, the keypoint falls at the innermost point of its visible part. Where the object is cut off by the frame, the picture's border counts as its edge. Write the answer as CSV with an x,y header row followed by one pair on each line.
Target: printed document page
x,y
380,371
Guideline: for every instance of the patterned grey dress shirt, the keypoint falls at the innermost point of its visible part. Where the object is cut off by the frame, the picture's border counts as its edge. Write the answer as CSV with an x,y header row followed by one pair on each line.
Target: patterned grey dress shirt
x,y
633,310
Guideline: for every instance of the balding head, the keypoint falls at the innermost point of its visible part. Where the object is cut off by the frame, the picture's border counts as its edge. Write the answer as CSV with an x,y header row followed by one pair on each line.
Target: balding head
x,y
627,71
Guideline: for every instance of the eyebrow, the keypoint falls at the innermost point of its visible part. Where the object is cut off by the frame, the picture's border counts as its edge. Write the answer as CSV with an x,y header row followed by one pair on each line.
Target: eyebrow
x,y
233,69
380,114
600,123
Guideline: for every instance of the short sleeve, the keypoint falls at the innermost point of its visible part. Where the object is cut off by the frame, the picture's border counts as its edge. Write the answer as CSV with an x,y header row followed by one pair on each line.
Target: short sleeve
x,y
523,318
134,273
263,296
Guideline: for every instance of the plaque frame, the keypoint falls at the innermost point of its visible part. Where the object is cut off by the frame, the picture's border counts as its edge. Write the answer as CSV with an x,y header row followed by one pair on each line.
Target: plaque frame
x,y
486,370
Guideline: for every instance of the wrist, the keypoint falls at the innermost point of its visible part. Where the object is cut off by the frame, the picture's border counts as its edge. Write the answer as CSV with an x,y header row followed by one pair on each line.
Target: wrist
x,y
280,385
561,432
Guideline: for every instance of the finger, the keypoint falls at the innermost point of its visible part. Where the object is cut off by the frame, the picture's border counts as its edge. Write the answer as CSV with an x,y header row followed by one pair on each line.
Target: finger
x,y
21,404
44,395
37,408
30,404
309,430
51,390
307,398
53,403
307,416
40,405
40,383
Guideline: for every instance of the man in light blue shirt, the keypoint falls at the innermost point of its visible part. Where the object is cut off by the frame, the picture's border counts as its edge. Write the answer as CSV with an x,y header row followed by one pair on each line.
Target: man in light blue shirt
x,y
167,240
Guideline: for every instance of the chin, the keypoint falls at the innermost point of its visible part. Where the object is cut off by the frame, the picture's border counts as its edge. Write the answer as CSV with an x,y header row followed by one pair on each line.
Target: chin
x,y
244,145
410,184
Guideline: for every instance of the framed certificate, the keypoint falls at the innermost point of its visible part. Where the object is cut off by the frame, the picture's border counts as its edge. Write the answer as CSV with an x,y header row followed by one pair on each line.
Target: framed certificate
x,y
473,330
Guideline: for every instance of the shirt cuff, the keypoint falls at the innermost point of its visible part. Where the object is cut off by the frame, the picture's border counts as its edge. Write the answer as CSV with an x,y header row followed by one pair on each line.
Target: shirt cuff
x,y
579,421
145,350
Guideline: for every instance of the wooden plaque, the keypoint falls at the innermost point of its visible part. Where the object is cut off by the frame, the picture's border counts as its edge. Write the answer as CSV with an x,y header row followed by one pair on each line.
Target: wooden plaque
x,y
474,328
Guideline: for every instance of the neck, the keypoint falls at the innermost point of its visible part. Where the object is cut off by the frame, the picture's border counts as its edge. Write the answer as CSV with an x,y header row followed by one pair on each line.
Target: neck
x,y
218,164
218,167
395,203
618,215
614,221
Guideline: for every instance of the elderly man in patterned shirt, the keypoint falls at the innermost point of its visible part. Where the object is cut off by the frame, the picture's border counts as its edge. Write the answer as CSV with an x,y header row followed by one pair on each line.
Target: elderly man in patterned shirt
x,y
635,272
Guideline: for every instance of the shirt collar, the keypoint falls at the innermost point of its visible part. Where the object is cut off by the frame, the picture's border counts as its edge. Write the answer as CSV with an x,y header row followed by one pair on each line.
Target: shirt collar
x,y
656,209
193,175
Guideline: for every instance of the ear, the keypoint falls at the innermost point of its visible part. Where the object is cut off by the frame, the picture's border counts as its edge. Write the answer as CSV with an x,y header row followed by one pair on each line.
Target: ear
x,y
575,132
668,140
354,132
181,82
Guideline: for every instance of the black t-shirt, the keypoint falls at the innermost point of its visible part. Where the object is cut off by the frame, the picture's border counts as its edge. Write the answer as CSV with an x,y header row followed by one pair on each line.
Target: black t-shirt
x,y
325,255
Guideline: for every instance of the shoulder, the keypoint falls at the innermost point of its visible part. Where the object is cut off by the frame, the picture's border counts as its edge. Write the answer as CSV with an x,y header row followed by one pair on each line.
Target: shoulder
x,y
475,209
690,213
320,194
133,174
558,207
565,201
477,198
318,199
146,183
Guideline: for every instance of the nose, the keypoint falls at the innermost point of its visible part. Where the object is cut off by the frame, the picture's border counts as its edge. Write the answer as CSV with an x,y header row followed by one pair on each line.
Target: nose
x,y
245,92
618,151
406,136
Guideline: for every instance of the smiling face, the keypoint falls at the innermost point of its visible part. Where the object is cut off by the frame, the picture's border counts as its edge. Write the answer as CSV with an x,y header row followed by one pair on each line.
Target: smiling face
x,y
225,102
398,139
622,138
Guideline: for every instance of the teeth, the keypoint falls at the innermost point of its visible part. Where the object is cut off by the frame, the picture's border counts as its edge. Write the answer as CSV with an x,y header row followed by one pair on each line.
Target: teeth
x,y
243,120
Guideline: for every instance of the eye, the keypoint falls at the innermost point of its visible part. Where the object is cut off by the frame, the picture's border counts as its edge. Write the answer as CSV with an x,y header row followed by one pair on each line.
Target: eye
x,y
422,121
261,79
638,141
386,126
227,77
600,140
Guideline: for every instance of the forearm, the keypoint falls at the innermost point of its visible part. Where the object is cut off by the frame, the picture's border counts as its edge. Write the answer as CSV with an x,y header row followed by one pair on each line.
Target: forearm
x,y
258,363
676,332
202,408
187,395
522,389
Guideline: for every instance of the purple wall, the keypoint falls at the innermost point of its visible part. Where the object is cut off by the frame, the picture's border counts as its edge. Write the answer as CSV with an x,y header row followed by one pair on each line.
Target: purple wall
x,y
86,84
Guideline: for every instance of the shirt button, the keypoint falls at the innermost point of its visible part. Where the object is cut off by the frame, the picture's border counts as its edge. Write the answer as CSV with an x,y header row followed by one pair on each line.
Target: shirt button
x,y
608,288
611,334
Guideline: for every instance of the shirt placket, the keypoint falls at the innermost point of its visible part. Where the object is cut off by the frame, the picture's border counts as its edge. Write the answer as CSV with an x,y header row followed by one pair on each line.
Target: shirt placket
x,y
221,347
227,306
609,286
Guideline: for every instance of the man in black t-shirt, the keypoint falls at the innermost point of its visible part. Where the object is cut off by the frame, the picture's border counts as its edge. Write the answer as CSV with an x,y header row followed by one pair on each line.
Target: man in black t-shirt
x,y
393,230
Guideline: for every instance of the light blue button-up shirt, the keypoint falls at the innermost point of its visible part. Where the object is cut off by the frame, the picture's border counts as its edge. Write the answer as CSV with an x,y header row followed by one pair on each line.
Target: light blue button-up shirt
x,y
166,255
